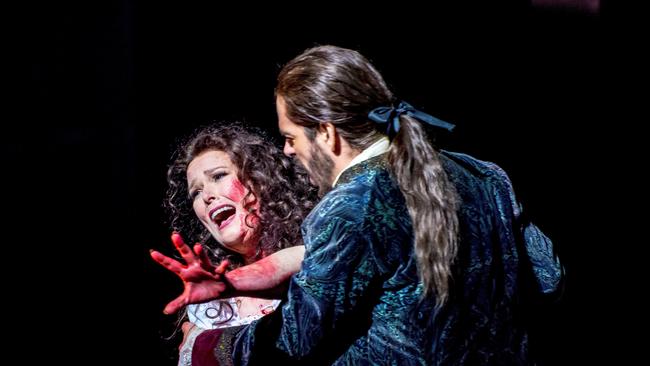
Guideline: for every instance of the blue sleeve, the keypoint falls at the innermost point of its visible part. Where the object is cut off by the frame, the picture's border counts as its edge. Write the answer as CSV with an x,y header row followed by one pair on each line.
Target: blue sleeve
x,y
539,250
323,299
546,266
336,274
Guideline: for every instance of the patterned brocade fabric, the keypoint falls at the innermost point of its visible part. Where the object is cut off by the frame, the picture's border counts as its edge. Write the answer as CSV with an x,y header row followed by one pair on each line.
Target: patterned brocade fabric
x,y
357,298
221,315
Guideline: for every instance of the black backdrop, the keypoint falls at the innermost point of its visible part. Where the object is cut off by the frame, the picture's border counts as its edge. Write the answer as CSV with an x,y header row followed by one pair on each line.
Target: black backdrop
x,y
110,87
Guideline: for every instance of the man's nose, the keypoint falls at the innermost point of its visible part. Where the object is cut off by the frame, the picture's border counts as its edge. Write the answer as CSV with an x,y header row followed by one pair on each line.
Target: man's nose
x,y
288,149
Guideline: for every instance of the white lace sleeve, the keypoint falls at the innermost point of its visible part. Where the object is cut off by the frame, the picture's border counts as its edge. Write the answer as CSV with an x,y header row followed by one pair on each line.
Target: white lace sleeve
x,y
185,354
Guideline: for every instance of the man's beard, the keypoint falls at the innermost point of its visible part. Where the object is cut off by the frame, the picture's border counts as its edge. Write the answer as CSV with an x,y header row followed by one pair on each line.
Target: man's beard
x,y
320,168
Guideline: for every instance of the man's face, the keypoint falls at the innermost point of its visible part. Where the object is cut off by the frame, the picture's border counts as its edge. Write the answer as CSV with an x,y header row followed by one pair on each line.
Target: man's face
x,y
309,154
296,142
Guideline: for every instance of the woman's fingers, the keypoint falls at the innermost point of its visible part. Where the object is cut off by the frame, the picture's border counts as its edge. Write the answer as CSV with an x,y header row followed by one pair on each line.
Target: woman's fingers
x,y
206,263
167,262
175,304
182,248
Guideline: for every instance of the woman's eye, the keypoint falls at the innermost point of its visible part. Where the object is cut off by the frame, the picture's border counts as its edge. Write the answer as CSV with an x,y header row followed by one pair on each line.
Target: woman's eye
x,y
219,175
194,194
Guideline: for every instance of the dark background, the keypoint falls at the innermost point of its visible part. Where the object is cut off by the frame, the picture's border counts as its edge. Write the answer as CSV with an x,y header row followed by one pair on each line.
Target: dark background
x,y
110,87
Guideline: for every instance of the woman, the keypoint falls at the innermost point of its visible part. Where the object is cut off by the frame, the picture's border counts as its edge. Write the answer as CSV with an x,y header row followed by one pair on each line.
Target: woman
x,y
234,191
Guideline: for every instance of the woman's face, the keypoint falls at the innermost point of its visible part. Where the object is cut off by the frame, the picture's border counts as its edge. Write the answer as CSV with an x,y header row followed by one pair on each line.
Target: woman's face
x,y
218,200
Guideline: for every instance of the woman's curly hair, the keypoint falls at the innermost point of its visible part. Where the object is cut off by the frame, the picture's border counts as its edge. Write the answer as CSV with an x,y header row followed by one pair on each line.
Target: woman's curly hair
x,y
281,187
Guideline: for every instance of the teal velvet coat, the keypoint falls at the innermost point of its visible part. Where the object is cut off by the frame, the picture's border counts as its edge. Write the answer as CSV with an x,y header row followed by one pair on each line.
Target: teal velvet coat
x,y
357,299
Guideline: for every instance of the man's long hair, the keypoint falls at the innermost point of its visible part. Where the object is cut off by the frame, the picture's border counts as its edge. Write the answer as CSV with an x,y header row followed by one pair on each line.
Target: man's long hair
x,y
340,86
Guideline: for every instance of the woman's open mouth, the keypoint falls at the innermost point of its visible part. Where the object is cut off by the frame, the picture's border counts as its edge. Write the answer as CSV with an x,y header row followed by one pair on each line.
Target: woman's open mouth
x,y
223,215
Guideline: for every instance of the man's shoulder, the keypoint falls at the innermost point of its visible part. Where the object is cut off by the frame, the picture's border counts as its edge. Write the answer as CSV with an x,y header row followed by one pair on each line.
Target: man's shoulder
x,y
358,190
346,202
363,174
455,162
469,173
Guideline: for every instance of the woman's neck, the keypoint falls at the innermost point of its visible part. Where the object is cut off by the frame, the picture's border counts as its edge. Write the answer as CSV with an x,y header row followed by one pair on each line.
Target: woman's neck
x,y
254,257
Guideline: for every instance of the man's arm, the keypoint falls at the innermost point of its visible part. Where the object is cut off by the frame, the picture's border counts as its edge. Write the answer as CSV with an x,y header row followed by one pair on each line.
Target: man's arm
x,y
322,314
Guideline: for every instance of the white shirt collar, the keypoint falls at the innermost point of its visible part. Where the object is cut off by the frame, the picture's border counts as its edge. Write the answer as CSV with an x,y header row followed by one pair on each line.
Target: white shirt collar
x,y
378,148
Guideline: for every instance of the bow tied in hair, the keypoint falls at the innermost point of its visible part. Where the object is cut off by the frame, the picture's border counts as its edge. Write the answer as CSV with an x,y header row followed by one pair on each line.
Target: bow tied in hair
x,y
390,116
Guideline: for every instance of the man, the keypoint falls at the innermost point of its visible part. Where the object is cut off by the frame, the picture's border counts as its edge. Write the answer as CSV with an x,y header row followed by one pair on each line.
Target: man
x,y
413,256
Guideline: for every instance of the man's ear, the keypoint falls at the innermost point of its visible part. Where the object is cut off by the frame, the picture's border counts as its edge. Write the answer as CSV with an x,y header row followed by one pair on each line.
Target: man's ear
x,y
329,136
